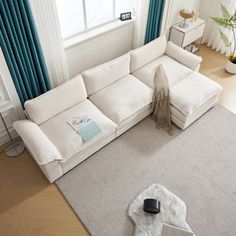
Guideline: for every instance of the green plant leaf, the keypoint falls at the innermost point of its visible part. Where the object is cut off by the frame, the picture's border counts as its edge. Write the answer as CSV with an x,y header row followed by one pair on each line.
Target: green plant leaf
x,y
222,22
228,21
234,17
225,12
225,39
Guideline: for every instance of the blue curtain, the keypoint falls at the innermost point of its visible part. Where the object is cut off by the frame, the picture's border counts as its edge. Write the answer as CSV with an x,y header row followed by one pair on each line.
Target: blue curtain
x,y
21,49
155,13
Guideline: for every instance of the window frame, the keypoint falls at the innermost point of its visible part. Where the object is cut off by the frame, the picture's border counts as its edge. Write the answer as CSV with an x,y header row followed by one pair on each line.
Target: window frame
x,y
86,29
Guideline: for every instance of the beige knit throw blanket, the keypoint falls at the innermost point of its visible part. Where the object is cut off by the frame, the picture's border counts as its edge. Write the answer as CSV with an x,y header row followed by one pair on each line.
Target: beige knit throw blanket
x,y
161,100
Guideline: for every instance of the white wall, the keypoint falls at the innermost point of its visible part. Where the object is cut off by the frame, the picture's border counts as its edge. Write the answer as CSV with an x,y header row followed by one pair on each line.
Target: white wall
x,y
178,5
100,49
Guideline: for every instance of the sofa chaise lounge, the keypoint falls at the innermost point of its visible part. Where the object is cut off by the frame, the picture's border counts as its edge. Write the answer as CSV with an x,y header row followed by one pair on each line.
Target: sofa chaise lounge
x,y
116,95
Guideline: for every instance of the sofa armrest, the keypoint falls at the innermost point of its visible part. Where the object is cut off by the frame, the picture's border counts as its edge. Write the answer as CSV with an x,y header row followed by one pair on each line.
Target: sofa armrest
x,y
37,142
183,56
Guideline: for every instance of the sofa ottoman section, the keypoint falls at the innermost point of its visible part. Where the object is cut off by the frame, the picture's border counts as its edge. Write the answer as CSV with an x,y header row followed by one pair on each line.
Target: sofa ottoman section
x,y
191,98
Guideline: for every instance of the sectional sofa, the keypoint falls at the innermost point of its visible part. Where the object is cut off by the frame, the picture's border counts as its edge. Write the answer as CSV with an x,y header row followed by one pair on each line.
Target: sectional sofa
x,y
116,95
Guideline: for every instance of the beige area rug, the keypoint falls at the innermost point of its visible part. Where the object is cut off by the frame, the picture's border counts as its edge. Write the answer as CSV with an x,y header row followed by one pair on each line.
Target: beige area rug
x,y
198,165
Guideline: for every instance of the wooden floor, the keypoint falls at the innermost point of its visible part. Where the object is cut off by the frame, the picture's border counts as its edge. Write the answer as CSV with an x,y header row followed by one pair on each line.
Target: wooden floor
x,y
29,205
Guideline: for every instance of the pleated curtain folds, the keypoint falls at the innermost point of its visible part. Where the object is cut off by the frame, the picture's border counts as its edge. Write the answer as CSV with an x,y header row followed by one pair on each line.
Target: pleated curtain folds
x,y
212,8
156,8
140,23
21,48
48,28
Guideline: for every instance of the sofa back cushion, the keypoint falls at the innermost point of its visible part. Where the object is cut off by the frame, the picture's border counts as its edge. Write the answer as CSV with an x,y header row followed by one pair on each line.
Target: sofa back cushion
x,y
103,75
144,55
183,56
44,107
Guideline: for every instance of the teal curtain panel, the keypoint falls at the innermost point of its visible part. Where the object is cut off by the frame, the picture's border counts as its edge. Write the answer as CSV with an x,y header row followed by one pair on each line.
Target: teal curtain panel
x,y
155,13
21,48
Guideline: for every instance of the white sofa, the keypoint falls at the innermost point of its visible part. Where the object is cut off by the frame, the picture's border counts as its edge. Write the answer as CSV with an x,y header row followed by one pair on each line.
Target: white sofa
x,y
116,95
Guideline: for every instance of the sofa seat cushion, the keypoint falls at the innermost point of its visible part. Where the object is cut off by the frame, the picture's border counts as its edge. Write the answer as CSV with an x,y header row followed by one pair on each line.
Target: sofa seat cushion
x,y
65,138
174,70
123,98
193,92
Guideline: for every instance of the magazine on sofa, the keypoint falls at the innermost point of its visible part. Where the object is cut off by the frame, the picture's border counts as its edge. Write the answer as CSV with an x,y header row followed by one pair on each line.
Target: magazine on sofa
x,y
84,126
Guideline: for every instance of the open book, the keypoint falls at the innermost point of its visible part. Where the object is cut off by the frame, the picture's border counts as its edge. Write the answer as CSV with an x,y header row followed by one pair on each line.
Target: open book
x,y
84,126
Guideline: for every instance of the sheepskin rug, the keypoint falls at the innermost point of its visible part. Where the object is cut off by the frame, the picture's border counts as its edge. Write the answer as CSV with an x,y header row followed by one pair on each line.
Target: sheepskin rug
x,y
173,212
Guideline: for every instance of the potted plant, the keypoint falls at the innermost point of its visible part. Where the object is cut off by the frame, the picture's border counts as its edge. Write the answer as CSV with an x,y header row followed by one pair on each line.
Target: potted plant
x,y
228,21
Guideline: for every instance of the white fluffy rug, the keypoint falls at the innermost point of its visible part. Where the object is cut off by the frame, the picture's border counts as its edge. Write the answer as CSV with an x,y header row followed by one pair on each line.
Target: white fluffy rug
x,y
173,212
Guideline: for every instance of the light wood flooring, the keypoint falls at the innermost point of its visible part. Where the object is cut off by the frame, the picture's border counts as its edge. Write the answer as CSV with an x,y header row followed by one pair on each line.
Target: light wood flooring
x,y
29,205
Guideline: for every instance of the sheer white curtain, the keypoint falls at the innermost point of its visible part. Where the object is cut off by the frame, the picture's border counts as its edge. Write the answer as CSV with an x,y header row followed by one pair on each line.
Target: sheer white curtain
x,y
141,14
212,36
47,24
167,17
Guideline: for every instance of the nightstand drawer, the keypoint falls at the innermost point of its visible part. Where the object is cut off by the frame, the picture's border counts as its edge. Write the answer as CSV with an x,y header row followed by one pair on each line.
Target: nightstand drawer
x,y
193,35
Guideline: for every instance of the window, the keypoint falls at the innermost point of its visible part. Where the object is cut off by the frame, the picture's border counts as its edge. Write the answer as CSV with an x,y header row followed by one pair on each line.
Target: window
x,y
78,16
124,6
71,17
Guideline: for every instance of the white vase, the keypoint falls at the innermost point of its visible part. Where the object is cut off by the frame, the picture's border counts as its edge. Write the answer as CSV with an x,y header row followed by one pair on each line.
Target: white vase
x,y
230,67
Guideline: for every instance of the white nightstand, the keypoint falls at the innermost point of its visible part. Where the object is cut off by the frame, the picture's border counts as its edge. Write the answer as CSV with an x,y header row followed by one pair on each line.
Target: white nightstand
x,y
184,37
